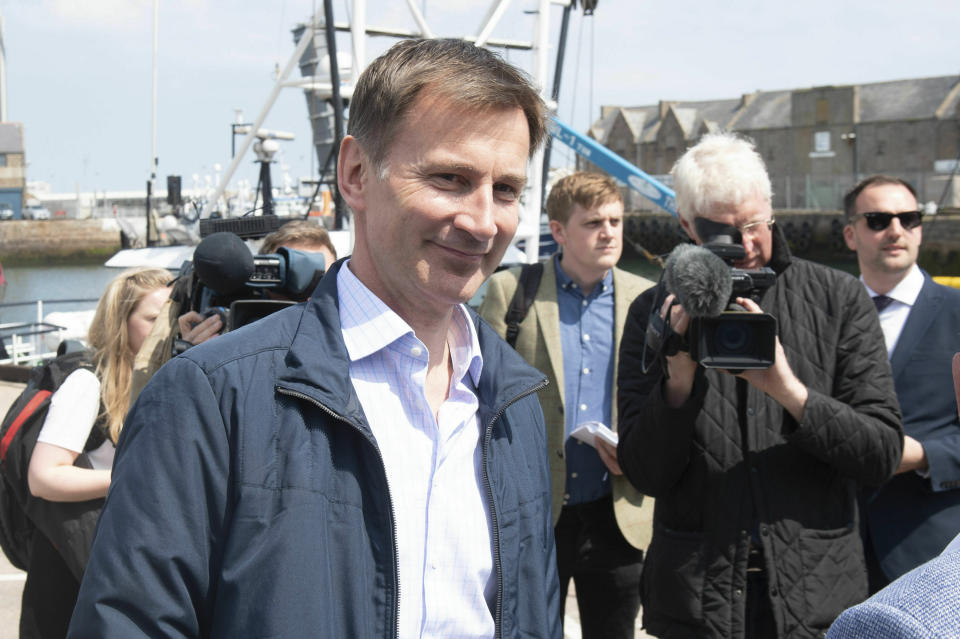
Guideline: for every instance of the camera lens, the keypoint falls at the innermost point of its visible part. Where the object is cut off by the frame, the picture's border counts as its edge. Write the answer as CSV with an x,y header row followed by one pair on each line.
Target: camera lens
x,y
733,338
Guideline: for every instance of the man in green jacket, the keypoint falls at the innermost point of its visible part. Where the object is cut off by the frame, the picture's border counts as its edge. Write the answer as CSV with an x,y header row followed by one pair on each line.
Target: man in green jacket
x,y
572,333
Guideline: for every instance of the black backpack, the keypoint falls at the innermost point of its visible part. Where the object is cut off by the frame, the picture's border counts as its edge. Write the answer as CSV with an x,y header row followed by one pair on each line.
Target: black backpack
x,y
523,296
68,525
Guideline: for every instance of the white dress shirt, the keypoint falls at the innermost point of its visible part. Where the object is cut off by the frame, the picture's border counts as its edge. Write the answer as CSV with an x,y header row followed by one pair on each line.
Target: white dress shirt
x,y
433,465
894,316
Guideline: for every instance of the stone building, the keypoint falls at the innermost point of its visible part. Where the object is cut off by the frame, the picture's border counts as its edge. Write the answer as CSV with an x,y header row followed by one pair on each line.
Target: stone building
x,y
816,142
12,166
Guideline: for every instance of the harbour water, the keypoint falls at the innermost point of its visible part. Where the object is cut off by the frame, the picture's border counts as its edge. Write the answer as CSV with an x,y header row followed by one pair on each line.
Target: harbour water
x,y
60,282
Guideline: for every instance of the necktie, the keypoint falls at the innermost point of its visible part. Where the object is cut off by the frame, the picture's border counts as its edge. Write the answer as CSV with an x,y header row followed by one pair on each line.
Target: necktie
x,y
881,302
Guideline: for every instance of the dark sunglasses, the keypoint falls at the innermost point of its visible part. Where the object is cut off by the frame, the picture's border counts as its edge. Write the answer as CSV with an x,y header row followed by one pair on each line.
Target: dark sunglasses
x,y
877,221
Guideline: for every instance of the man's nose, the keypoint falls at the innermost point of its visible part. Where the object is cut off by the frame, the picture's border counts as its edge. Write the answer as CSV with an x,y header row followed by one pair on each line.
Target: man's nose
x,y
895,229
477,215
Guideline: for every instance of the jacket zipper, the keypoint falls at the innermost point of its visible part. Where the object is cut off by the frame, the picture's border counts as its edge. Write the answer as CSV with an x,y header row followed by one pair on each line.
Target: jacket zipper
x,y
486,480
493,511
393,515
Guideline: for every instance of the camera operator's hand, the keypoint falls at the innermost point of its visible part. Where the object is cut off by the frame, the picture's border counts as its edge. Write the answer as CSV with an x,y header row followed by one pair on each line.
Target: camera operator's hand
x,y
680,367
608,455
196,330
778,381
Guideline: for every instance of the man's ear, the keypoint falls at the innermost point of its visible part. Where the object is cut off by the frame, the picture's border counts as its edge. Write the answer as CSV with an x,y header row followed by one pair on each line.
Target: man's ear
x,y
688,228
353,172
558,231
849,237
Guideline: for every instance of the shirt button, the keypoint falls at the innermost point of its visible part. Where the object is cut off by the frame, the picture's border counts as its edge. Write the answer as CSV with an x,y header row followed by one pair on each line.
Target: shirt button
x,y
586,371
573,475
584,302
586,337
416,351
583,407
579,442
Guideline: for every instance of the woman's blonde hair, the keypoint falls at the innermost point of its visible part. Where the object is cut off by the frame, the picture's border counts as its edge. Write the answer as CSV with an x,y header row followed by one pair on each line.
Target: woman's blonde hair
x,y
110,339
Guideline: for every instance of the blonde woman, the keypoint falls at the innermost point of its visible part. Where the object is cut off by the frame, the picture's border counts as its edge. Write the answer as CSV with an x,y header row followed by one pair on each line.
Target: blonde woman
x,y
89,406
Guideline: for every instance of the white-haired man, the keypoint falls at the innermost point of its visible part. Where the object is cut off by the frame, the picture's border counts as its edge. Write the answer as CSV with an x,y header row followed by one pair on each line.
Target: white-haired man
x,y
755,475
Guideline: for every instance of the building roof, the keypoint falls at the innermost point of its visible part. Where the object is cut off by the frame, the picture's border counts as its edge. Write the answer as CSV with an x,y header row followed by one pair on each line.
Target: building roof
x,y
11,137
767,110
914,99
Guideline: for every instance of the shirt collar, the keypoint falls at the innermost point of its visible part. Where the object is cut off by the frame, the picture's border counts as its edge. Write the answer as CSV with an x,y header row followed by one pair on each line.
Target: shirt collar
x,y
907,290
369,326
566,283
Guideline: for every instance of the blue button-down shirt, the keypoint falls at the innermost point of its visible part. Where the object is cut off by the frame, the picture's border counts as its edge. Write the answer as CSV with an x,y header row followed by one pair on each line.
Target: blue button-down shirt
x,y
586,337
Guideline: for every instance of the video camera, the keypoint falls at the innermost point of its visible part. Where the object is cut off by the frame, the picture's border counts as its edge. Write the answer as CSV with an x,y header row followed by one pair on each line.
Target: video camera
x,y
722,334
226,279
733,339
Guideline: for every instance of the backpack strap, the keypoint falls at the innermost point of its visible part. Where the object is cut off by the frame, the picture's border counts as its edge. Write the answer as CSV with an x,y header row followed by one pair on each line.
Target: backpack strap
x,y
523,297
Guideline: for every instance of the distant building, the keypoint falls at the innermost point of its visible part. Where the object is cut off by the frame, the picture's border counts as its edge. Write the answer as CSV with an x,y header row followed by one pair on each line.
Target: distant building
x,y
816,142
12,166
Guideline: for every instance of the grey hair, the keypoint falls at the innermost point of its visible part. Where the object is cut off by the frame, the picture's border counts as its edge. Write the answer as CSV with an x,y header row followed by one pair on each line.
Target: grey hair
x,y
722,169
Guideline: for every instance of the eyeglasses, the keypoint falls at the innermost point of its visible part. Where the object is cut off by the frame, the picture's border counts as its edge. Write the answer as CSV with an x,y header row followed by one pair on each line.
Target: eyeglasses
x,y
753,228
877,221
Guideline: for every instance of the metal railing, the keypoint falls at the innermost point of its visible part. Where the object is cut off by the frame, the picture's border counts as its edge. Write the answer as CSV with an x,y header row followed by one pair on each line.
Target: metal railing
x,y
23,342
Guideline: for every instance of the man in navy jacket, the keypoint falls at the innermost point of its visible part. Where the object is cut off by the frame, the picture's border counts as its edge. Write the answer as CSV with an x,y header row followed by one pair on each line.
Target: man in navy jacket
x,y
372,463
914,516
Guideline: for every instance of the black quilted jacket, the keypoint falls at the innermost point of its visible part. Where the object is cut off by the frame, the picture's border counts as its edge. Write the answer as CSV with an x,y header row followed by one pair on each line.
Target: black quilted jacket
x,y
731,461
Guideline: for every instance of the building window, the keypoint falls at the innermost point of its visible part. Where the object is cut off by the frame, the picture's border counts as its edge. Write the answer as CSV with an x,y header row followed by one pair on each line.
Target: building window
x,y
3,159
821,141
823,111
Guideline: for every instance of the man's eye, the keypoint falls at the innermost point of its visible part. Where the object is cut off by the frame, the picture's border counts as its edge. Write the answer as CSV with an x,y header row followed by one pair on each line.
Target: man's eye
x,y
505,191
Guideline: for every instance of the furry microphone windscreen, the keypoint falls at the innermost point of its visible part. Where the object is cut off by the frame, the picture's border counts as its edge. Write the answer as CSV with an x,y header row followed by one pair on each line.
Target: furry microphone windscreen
x,y
700,280
223,262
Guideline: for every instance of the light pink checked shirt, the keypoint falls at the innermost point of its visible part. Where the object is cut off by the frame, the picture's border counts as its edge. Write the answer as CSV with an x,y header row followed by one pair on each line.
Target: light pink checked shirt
x,y
434,470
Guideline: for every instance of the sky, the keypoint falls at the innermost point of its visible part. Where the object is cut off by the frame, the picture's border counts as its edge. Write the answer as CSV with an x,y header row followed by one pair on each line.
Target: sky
x,y
79,74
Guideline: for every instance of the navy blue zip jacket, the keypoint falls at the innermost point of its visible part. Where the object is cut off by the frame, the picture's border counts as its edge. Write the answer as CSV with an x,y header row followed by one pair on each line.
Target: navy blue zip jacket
x,y
249,498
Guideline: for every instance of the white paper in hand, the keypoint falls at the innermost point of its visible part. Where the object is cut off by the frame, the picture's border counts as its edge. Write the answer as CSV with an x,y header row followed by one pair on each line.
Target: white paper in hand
x,y
587,431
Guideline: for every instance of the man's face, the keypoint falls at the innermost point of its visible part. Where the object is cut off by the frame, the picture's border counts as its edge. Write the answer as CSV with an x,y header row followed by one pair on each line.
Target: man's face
x,y
436,221
592,239
893,250
750,216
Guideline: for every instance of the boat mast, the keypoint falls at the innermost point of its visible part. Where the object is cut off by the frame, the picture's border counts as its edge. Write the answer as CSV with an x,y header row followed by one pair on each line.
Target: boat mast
x,y
153,126
3,75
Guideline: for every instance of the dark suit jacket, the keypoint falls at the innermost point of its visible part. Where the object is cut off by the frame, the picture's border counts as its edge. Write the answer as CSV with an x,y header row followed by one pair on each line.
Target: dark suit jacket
x,y
911,518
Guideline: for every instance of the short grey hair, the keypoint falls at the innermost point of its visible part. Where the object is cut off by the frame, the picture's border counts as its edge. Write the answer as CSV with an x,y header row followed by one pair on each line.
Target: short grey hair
x,y
722,169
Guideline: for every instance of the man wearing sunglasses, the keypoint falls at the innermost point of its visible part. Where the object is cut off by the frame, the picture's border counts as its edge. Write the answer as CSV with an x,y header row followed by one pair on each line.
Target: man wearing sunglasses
x,y
914,516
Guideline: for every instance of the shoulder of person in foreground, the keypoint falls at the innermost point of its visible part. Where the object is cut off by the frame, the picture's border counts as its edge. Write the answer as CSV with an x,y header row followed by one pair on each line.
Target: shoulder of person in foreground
x,y
152,561
925,602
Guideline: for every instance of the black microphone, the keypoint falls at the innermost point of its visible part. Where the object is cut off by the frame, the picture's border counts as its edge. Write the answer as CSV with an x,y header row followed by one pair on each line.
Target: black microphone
x,y
700,280
223,262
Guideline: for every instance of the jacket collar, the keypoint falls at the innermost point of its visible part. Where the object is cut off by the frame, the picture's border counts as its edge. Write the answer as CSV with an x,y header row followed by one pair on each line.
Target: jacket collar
x,y
780,256
318,366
